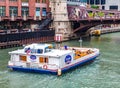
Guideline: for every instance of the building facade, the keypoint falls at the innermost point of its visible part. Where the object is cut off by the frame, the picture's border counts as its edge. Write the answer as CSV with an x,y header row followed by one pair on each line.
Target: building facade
x,y
112,5
106,4
15,13
77,2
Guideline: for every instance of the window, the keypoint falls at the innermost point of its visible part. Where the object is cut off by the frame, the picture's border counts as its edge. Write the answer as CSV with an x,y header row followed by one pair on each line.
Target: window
x,y
23,58
25,11
96,1
2,10
46,60
44,12
43,1
33,50
39,51
2,0
25,0
37,1
37,11
13,0
58,23
77,0
43,59
103,7
113,7
91,1
103,1
13,11
83,1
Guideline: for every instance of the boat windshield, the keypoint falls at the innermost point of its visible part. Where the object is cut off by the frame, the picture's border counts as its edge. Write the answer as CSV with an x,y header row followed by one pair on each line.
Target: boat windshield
x,y
47,49
40,51
28,50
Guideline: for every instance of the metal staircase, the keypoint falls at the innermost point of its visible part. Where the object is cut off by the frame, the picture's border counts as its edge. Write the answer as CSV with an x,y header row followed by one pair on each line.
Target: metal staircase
x,y
45,23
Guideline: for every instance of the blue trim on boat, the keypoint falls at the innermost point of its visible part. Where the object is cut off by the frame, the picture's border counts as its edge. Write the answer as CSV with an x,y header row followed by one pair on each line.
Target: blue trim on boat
x,y
54,72
34,70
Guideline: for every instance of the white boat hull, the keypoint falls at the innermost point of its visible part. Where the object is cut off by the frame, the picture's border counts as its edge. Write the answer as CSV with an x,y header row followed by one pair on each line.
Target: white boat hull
x,y
55,61
55,71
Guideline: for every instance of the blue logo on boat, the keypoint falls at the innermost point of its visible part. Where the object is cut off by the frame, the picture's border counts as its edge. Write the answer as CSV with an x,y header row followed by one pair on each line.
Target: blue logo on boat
x,y
68,59
33,57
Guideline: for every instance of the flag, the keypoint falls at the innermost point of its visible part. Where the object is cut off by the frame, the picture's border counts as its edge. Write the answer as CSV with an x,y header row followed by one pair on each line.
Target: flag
x,y
28,51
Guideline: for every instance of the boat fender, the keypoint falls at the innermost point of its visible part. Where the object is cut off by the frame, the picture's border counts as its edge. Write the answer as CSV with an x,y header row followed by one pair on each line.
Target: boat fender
x,y
45,66
59,72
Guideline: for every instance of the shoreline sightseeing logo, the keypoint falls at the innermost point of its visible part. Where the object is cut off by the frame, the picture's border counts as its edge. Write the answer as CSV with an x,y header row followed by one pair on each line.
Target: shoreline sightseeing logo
x,y
33,58
68,59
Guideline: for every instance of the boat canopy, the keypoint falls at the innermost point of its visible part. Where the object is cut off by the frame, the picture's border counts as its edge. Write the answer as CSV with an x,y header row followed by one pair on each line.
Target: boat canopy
x,y
38,48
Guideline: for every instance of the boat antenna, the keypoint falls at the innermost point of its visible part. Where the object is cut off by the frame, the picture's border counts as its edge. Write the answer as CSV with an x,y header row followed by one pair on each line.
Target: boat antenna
x,y
80,42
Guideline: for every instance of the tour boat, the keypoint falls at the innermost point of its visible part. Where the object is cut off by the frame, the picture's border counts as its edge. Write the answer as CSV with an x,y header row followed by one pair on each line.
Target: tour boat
x,y
45,58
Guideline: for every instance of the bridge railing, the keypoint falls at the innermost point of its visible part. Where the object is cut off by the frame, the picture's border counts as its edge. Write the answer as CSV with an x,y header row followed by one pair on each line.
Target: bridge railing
x,y
83,13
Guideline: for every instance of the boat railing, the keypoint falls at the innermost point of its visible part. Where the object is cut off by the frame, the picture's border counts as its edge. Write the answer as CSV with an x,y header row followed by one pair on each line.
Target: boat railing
x,y
53,65
50,66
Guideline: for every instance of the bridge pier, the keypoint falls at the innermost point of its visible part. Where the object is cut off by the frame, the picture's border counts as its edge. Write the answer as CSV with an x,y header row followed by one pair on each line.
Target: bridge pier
x,y
61,23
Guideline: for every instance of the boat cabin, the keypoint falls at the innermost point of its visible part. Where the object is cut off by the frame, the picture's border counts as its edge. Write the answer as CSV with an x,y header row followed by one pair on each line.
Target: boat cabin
x,y
38,48
38,55
44,58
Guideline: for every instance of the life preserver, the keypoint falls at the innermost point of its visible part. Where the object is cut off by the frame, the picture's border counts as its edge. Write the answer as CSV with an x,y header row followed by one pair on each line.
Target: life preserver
x,y
45,66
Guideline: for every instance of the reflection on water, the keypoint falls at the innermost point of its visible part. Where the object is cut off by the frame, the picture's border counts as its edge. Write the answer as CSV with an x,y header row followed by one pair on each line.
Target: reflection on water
x,y
102,73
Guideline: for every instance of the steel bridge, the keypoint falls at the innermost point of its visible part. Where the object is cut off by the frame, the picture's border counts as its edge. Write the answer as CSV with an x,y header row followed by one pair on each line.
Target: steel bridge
x,y
83,18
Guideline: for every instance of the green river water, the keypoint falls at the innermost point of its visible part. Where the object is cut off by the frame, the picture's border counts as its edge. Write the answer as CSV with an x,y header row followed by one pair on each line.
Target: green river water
x,y
104,72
